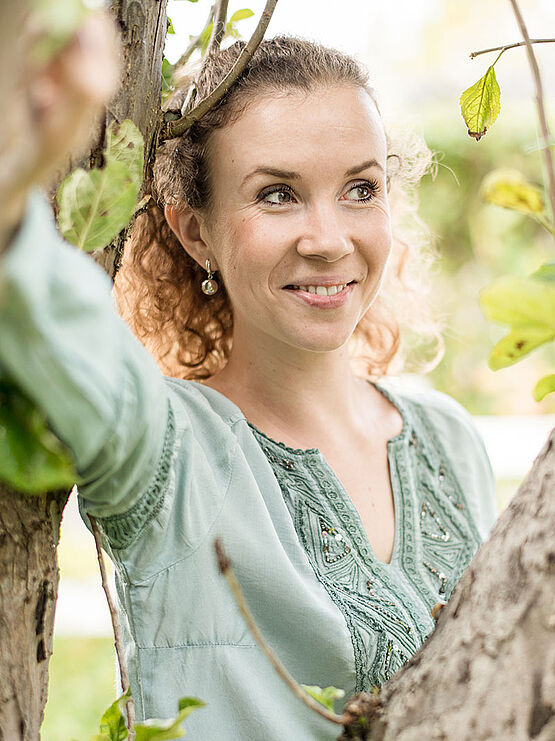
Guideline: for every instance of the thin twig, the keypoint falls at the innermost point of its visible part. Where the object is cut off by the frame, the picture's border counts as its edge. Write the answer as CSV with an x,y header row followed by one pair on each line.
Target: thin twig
x,y
540,105
177,128
225,568
130,705
195,42
510,46
218,29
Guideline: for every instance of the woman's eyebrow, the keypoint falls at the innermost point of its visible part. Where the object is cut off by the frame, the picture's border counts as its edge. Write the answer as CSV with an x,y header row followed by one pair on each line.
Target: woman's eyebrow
x,y
290,175
273,171
364,166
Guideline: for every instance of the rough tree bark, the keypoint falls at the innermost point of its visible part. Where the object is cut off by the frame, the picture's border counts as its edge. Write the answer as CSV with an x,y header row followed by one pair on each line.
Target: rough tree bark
x,y
29,526
488,669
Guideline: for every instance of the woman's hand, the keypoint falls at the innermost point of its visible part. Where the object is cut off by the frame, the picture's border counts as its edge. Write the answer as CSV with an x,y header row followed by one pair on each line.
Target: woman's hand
x,y
49,109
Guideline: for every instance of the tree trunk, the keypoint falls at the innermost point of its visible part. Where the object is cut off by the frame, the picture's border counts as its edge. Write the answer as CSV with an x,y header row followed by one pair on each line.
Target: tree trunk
x,y
29,534
29,525
488,669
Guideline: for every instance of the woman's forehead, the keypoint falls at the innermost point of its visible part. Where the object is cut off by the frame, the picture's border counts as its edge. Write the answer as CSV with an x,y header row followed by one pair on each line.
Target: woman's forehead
x,y
335,121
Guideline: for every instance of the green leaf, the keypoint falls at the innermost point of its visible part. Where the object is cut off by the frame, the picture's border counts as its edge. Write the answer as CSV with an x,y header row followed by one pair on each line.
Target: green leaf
x,y
32,459
205,38
480,104
510,189
544,386
324,696
527,306
171,29
112,723
518,343
124,143
167,77
96,205
166,730
518,301
240,15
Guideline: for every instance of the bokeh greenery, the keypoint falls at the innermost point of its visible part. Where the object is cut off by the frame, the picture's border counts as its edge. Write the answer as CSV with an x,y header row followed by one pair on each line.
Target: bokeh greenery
x,y
477,243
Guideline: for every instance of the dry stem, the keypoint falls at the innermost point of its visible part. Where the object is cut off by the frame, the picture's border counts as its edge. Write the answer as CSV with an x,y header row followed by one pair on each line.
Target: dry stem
x,y
130,705
540,105
510,46
195,43
177,128
225,568
218,30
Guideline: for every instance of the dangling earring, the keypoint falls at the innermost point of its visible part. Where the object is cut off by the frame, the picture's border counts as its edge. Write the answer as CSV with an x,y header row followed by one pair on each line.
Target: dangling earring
x,y
209,286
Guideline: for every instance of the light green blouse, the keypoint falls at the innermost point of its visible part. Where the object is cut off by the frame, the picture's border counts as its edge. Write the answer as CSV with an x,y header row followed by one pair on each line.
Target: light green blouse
x,y
168,465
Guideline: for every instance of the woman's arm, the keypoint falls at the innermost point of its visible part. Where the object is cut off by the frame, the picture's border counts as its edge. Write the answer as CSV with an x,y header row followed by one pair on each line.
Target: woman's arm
x,y
60,339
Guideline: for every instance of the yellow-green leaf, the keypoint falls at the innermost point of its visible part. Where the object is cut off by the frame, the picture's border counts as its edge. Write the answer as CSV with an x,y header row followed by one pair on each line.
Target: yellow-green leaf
x,y
544,386
166,730
510,189
124,143
112,723
96,205
240,15
324,696
518,301
517,343
480,104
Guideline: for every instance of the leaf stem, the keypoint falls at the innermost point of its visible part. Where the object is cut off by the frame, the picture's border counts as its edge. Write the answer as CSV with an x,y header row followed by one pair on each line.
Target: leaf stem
x,y
224,565
510,46
179,127
548,159
130,704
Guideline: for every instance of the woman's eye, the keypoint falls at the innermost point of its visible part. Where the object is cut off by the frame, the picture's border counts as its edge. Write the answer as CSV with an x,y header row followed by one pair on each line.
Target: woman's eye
x,y
278,197
363,191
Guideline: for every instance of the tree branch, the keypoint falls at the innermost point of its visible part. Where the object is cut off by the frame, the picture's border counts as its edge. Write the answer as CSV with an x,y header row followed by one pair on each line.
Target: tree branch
x,y
218,30
540,106
510,46
130,705
194,44
177,128
225,568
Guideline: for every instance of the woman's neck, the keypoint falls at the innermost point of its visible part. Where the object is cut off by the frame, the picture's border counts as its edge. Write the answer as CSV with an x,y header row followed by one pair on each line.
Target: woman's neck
x,y
299,395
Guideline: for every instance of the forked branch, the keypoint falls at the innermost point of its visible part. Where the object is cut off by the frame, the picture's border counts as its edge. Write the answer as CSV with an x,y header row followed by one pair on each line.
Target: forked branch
x,y
510,46
218,30
178,127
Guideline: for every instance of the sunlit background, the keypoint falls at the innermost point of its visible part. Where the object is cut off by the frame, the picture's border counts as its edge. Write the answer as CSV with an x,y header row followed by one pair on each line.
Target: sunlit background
x,y
417,52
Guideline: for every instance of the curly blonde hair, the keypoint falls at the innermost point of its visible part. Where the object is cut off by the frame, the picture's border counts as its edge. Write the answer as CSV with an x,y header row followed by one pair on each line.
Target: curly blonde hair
x,y
158,288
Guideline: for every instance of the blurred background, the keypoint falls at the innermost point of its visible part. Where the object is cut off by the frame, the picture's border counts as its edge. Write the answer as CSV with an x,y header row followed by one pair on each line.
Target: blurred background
x,y
417,52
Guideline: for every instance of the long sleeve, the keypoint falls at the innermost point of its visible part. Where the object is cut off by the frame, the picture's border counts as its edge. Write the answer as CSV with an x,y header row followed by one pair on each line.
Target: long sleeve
x,y
63,343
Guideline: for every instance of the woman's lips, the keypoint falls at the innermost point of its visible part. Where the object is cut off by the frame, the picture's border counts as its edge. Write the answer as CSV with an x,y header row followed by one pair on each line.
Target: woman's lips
x,y
318,299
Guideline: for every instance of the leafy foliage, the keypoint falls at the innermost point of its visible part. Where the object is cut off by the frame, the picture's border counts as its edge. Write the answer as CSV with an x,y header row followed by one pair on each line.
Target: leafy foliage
x,y
324,696
32,459
527,306
113,728
96,205
481,104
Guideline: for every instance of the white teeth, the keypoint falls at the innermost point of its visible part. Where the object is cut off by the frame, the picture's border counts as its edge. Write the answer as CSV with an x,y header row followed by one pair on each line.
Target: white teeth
x,y
322,290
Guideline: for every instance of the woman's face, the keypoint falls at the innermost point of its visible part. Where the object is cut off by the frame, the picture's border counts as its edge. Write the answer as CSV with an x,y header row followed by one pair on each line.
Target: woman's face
x,y
299,226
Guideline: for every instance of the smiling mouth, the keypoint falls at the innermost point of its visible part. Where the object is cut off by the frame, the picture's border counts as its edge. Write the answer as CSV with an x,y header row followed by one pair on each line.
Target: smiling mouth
x,y
321,290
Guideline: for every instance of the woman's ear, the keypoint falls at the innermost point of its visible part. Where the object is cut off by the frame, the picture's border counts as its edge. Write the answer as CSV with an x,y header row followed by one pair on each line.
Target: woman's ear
x,y
186,225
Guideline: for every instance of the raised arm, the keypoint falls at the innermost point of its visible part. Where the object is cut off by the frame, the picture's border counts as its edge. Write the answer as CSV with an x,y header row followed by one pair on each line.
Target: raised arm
x,y
61,341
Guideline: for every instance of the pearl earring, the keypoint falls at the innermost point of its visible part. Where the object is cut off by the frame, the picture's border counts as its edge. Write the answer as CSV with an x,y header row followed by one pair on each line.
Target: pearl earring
x,y
209,286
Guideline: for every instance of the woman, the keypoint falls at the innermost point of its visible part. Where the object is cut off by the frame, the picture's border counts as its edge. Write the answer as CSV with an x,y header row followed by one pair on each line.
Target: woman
x,y
348,512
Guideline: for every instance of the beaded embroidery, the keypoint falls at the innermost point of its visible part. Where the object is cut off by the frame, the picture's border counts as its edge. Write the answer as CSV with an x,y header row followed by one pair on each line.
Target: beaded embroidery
x,y
434,543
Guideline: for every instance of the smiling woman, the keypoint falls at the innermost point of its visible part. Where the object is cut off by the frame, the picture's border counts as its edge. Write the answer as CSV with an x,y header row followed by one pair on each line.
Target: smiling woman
x,y
274,240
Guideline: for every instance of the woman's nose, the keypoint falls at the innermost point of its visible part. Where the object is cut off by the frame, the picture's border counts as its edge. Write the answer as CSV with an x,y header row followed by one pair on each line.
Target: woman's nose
x,y
325,236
